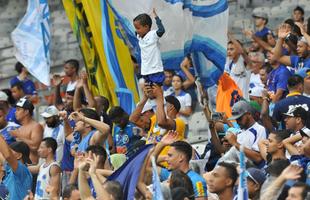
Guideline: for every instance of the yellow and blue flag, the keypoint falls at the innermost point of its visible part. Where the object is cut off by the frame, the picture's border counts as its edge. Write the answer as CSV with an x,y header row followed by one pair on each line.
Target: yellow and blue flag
x,y
102,43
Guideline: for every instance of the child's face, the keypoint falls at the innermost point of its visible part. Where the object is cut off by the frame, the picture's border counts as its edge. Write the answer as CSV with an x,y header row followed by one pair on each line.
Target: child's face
x,y
140,29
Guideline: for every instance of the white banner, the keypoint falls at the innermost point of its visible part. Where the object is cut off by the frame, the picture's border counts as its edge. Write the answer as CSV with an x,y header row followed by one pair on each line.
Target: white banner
x,y
31,39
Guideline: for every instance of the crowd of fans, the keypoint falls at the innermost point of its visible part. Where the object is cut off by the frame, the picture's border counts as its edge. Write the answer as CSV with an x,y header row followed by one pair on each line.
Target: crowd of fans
x,y
84,140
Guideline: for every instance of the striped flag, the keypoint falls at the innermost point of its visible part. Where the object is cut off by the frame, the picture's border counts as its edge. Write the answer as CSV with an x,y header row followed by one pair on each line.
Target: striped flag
x,y
196,27
242,188
32,39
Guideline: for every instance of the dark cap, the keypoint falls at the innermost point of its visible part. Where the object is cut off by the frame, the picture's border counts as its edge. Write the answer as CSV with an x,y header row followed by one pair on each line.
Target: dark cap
x,y
256,175
297,112
25,103
174,101
22,147
239,109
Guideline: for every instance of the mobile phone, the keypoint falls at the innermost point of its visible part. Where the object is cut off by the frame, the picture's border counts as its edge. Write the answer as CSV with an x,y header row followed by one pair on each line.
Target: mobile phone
x,y
217,116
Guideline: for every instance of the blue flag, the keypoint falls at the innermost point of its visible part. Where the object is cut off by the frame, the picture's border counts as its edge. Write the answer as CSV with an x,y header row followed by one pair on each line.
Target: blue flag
x,y
157,193
243,187
31,39
128,174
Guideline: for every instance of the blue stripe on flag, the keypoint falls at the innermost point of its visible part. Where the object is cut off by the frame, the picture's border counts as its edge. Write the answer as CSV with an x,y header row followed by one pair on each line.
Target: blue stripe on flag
x,y
109,48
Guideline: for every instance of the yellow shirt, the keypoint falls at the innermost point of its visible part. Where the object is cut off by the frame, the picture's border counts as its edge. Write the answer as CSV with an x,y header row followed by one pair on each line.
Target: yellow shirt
x,y
156,133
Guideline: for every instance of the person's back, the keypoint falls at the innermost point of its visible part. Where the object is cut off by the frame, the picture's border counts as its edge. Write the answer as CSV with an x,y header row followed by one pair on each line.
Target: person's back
x,y
199,184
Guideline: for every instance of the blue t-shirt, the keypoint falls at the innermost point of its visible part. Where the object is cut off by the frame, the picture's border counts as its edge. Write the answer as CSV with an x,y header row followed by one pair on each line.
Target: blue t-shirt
x,y
28,86
289,103
19,182
263,32
5,132
10,117
67,159
199,184
299,63
124,138
277,79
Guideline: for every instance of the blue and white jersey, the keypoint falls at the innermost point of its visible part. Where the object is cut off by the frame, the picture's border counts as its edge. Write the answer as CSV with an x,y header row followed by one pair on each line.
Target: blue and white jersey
x,y
43,181
5,132
199,184
250,137
58,134
299,63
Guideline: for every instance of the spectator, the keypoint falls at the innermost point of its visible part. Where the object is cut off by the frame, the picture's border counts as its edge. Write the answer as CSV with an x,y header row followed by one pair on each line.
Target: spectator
x,y
17,91
222,180
71,68
273,149
10,111
261,20
305,74
30,131
293,99
236,66
251,134
71,192
184,99
299,190
298,14
301,60
263,72
18,178
179,155
55,129
257,61
6,127
49,172
27,84
255,181
277,79
167,85
123,132
89,130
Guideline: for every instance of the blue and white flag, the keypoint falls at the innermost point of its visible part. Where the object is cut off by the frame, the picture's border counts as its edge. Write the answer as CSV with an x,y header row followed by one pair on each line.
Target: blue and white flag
x,y
196,27
157,193
128,174
243,187
31,39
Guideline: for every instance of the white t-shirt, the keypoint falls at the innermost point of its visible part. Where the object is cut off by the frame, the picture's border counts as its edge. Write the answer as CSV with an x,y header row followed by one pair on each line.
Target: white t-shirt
x,y
239,73
185,100
151,62
71,86
256,81
250,137
58,133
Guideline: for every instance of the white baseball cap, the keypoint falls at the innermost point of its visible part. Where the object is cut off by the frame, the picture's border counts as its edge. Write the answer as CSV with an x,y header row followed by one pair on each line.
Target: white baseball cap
x,y
256,91
50,111
3,96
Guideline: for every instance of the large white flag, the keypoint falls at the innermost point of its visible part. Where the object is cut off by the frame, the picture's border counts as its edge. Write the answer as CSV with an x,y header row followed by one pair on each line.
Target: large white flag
x,y
198,27
31,39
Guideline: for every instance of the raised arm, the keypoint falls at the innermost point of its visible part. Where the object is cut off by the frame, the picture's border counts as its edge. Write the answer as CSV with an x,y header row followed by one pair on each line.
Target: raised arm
x,y
89,96
57,81
161,29
77,103
282,33
136,114
262,43
289,144
303,31
8,155
190,79
162,120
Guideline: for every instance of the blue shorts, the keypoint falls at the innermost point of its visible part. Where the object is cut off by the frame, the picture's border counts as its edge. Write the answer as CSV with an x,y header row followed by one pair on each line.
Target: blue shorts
x,y
157,78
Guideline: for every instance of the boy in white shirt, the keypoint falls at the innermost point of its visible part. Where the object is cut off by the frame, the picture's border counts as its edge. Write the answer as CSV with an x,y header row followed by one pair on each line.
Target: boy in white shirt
x,y
152,69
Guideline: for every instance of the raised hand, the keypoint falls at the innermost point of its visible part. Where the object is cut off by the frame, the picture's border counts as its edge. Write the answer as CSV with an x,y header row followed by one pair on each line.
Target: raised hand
x,y
57,79
76,116
283,31
170,137
93,163
292,172
154,12
84,77
301,27
63,114
248,33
